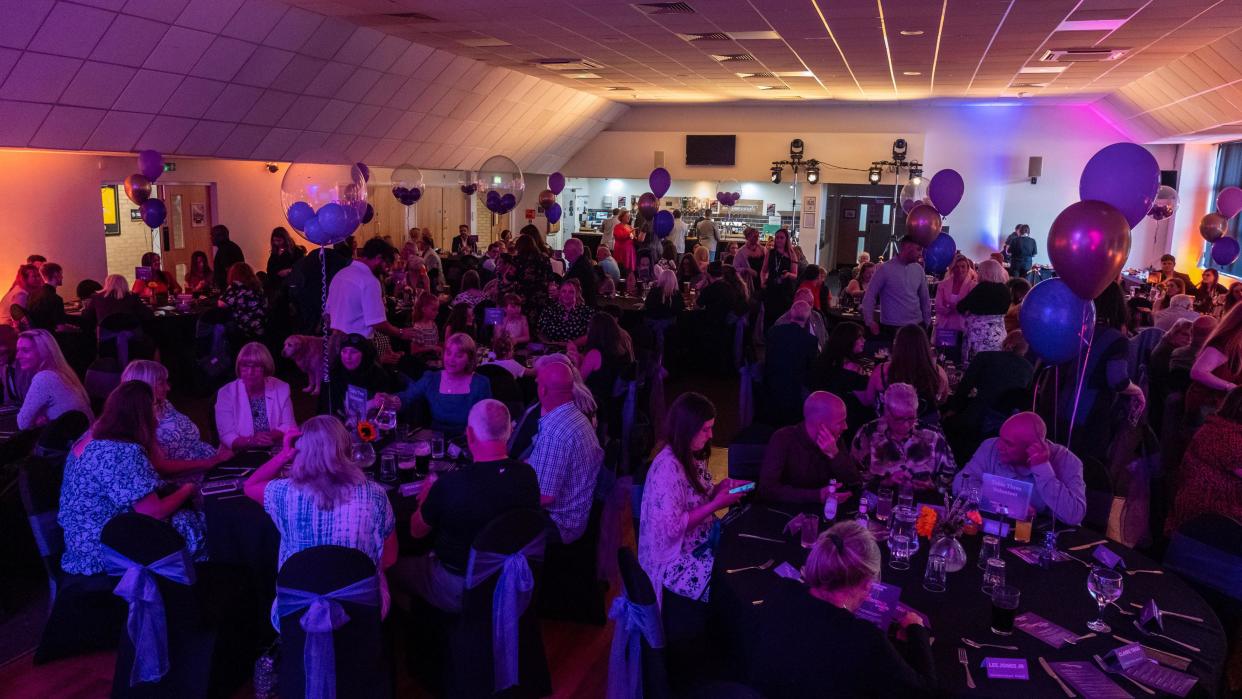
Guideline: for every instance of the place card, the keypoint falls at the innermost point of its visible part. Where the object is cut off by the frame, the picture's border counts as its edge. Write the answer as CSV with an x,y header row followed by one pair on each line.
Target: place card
x,y
411,489
1006,668
881,605
1030,554
787,571
1046,631
1127,656
996,527
1090,682
1162,679
1177,662
1150,618
1007,497
1106,557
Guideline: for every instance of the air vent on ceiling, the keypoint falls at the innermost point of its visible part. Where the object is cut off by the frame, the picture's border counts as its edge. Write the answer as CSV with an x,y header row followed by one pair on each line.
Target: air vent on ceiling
x,y
732,57
773,87
1083,55
412,16
568,64
1018,85
664,8
704,36
756,75
620,89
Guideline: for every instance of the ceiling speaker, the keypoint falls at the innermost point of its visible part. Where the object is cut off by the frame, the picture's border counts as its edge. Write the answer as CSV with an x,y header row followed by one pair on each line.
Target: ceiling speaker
x,y
1034,168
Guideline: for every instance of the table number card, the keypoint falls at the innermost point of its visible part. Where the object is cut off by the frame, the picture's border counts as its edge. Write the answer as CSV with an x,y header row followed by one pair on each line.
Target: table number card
x,y
1031,554
1007,497
1006,668
1044,630
881,606
1090,682
787,571
1150,618
1127,656
1106,557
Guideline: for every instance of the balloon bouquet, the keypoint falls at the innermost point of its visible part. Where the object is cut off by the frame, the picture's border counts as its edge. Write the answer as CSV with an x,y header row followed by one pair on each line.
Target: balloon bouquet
x,y
1212,226
547,199
662,221
925,212
138,188
407,187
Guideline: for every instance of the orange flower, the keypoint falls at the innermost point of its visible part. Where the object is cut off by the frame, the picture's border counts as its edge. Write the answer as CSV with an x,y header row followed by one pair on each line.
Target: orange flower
x,y
975,517
366,431
926,522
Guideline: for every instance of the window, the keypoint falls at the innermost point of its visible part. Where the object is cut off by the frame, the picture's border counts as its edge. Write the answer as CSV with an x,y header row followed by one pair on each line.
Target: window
x,y
1228,172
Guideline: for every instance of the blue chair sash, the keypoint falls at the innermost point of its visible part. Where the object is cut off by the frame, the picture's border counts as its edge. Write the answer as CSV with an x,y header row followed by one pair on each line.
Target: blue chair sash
x,y
510,599
146,624
324,614
1207,565
634,622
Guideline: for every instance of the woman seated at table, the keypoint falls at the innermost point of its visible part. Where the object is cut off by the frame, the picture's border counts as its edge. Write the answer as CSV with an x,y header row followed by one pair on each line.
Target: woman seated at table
x,y
857,287
688,271
114,299
984,309
325,500
1170,288
356,365
161,282
664,301
177,439
244,300
1018,289
1234,297
425,334
911,363
1210,293
809,637
109,472
449,394
471,293
254,410
1218,368
13,381
460,320
841,368
198,278
989,391
514,323
54,387
502,348
678,506
1210,479
567,319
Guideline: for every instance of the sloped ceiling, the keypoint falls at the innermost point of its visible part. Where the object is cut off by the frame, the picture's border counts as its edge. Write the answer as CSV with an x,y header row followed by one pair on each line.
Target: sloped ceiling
x,y
258,79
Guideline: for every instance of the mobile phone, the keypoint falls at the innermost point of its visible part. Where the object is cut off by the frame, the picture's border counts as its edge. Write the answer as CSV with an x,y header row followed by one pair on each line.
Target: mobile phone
x,y
743,488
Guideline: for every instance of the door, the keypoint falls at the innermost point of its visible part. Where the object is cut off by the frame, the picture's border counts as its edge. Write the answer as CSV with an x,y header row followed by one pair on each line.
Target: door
x,y
864,224
390,217
187,227
431,215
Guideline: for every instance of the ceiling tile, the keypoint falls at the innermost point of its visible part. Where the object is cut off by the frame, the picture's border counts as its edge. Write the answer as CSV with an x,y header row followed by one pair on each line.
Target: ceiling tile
x,y
8,59
71,30
192,97
165,133
97,85
331,116
294,29
21,21
263,67
358,119
242,141
356,87
179,50
275,144
254,19
161,10
328,38
118,131
67,128
389,50
205,138
39,78
302,111
208,15
129,40
223,58
19,121
330,79
234,103
298,74
270,107
360,45
384,89
147,91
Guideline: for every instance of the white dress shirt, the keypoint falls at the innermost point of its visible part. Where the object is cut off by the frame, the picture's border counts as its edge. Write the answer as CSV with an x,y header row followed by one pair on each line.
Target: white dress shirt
x,y
356,300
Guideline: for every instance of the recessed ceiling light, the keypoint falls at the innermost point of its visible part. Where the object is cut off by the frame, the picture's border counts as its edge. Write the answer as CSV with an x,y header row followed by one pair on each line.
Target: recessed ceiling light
x,y
771,87
583,76
910,72
912,32
753,36
733,57
795,74
1043,69
483,42
1090,25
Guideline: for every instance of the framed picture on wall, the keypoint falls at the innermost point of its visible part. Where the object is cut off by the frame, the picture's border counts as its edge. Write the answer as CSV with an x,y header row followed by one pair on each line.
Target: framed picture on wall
x,y
198,214
111,207
771,210
808,204
808,220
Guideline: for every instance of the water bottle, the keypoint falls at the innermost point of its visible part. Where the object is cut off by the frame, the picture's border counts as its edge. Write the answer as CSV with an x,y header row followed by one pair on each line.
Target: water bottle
x,y
862,517
830,505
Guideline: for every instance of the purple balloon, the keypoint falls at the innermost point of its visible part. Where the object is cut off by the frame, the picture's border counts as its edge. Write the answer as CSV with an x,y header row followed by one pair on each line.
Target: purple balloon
x,y
1125,175
314,232
1052,318
662,224
336,222
507,203
648,205
368,215
298,214
408,200
907,204
923,224
366,171
553,213
1088,245
493,195
946,190
469,189
152,212
660,181
150,164
1225,251
939,255
1229,202
400,192
556,182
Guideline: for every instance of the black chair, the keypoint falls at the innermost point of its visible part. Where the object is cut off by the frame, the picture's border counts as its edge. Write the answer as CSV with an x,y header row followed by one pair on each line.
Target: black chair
x,y
1202,551
504,387
471,663
746,451
571,589
84,615
639,591
60,434
209,651
363,664
1099,494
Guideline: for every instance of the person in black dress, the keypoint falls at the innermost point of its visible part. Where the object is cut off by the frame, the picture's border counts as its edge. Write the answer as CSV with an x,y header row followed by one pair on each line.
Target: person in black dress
x,y
780,274
356,364
808,643
283,255
841,369
227,254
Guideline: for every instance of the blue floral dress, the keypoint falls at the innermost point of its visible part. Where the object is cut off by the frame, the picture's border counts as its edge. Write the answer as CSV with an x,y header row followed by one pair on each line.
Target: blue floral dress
x,y
178,436
105,480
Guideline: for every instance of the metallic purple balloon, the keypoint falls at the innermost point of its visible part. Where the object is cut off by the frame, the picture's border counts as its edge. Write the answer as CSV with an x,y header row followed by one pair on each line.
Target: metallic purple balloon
x,y
648,205
1125,175
1212,226
1088,245
150,164
923,224
556,182
137,188
1225,251
660,181
547,198
946,190
553,212
152,212
1229,201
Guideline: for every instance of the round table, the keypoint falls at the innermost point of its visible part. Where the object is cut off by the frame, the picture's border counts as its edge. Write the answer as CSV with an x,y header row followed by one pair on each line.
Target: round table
x,y
1058,594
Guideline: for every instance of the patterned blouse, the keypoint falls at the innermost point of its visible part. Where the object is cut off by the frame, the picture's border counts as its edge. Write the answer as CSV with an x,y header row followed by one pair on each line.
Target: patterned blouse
x,y
178,436
668,550
249,309
101,483
258,414
559,324
363,521
920,457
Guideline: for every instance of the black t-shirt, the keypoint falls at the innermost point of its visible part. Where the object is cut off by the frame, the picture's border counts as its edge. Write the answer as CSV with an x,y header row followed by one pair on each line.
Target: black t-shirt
x,y
462,502
228,253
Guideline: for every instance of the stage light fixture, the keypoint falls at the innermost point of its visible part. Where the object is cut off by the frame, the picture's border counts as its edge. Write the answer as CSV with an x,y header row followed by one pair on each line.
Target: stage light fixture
x,y
899,150
776,174
874,174
795,149
812,172
916,174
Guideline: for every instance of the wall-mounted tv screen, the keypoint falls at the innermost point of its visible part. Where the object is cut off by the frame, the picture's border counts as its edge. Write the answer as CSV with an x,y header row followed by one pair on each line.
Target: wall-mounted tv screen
x,y
710,150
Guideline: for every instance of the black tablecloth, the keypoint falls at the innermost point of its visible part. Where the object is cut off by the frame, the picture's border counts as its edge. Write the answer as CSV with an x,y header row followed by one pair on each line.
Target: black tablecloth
x,y
1059,595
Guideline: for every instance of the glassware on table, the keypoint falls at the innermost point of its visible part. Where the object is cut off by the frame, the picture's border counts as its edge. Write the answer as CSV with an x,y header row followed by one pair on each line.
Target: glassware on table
x,y
900,548
993,575
437,446
363,454
1004,609
388,468
905,496
1105,585
990,549
935,576
883,504
810,530
903,522
386,419
1022,531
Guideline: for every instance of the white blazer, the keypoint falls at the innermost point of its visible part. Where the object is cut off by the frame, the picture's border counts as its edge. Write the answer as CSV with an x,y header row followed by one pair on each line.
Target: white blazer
x,y
233,418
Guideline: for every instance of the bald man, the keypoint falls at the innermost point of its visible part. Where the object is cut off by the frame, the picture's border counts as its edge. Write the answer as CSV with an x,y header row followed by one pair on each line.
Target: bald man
x,y
801,459
578,266
1022,452
565,453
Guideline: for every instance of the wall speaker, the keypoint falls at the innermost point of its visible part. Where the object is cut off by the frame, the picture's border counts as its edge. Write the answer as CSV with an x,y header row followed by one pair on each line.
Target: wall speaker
x,y
659,158
1034,168
1168,178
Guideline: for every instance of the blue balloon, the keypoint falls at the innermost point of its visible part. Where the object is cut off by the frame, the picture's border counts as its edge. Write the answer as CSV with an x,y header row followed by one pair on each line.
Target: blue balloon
x,y
939,255
337,221
1052,320
299,213
662,224
553,213
152,212
314,232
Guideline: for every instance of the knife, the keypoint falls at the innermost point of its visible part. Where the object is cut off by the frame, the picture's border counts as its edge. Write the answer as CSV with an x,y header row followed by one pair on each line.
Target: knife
x,y
1052,673
1083,547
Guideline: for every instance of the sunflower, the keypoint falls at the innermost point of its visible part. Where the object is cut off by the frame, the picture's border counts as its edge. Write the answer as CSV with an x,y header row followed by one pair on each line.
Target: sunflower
x,y
366,431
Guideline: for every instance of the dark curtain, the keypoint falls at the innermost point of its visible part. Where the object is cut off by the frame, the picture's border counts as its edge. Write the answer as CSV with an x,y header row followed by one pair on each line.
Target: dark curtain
x,y
1228,173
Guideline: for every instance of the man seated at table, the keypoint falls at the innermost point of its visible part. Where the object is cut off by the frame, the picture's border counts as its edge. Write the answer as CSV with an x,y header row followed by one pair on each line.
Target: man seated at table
x,y
802,458
45,307
1168,265
814,321
894,450
461,244
458,504
565,454
1023,452
579,267
790,350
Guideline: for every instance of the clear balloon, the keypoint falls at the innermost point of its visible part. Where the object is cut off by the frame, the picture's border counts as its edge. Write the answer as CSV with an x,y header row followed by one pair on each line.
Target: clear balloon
x,y
1088,244
501,175
1212,226
725,190
137,188
912,195
923,224
1225,251
319,178
407,184
368,214
1052,318
1165,204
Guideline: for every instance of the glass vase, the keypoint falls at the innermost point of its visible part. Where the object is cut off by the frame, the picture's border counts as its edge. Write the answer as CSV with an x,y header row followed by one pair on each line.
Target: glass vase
x,y
952,550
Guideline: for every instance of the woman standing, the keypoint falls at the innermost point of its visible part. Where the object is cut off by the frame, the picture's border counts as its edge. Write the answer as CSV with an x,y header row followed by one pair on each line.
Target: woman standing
x,y
198,279
245,302
749,261
985,307
1210,294
282,256
780,273
529,276
623,247
956,285
54,388
254,411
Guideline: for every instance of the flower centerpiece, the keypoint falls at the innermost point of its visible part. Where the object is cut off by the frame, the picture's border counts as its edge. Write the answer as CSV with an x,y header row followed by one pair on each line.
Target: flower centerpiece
x,y
944,531
361,450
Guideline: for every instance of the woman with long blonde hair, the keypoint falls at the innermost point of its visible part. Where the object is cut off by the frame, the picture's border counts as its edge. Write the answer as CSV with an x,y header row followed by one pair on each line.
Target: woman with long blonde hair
x,y
54,388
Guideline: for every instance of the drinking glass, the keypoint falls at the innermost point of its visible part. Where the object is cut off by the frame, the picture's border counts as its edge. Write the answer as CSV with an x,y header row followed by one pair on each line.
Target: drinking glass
x,y
386,419
437,446
903,522
810,530
935,576
363,454
993,575
1004,609
388,468
1022,531
1105,585
899,545
990,549
884,504
905,497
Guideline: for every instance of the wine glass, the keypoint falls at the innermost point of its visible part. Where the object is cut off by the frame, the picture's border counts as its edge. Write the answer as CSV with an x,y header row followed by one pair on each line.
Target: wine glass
x,y
1105,585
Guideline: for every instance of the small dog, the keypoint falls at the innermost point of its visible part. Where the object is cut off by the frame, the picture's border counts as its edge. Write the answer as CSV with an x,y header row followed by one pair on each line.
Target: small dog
x,y
306,351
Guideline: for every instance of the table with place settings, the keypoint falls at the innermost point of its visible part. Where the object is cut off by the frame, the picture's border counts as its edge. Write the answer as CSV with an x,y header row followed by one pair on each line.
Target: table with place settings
x,y
756,535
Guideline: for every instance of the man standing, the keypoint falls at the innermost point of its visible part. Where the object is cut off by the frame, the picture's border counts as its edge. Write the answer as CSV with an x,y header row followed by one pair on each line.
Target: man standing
x,y
801,459
578,266
1168,270
1021,251
355,297
565,454
605,229
709,235
227,254
678,235
900,287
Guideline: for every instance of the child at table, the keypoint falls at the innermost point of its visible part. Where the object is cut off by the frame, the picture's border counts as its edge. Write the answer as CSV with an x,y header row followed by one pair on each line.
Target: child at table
x,y
425,335
514,324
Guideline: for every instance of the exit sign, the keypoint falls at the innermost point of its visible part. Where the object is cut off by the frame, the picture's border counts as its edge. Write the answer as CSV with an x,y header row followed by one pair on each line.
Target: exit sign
x,y
170,166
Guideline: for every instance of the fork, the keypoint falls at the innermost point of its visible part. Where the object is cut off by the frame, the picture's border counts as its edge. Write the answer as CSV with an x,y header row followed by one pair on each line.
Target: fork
x,y
1099,661
761,566
1170,639
1163,612
1136,571
976,644
965,661
1122,609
